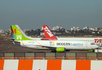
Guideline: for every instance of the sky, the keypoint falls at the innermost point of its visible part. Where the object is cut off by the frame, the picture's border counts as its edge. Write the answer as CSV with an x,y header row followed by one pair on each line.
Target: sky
x,y
32,14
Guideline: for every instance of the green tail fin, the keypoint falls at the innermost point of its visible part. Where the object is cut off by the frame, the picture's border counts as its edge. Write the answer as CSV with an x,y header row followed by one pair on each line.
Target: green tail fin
x,y
18,34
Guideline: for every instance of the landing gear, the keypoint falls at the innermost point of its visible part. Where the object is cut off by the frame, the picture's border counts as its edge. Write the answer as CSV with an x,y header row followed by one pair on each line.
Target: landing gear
x,y
53,50
93,50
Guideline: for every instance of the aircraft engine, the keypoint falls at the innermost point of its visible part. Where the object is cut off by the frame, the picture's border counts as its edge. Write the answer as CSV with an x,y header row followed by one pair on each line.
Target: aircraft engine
x,y
60,49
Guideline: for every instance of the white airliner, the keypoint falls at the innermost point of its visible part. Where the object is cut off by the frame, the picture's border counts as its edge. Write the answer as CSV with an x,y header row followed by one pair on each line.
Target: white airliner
x,y
49,42
49,35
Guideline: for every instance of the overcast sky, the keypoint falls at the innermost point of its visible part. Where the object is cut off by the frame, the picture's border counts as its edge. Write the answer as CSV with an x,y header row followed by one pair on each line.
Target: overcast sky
x,y
32,14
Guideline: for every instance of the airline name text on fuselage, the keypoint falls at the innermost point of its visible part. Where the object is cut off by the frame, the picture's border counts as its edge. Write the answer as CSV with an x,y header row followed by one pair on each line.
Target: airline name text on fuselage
x,y
63,44
98,40
76,44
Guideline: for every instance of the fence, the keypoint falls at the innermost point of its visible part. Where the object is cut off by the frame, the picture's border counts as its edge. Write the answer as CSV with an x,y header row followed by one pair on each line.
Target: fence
x,y
69,56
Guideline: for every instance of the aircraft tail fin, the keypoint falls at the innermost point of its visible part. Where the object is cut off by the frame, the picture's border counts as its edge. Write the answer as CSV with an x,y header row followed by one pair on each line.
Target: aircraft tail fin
x,y
18,34
48,33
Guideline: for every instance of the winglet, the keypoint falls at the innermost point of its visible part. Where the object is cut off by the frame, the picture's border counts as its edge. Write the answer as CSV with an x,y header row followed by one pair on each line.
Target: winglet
x,y
48,33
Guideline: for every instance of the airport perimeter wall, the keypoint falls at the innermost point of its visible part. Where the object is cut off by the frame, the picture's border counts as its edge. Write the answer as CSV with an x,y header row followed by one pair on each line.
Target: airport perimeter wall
x,y
53,56
16,64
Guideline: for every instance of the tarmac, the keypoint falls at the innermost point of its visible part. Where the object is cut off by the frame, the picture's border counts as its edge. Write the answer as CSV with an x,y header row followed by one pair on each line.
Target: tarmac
x,y
8,46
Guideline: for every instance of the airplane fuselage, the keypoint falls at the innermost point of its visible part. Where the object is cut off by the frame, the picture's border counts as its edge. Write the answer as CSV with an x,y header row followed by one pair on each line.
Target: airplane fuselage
x,y
95,40
54,44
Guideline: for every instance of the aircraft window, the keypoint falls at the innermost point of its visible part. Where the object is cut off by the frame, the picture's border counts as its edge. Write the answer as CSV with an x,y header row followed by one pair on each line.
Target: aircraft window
x,y
92,43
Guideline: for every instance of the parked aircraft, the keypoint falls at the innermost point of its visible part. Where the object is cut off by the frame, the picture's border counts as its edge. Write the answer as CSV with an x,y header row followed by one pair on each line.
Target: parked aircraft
x,y
48,42
49,35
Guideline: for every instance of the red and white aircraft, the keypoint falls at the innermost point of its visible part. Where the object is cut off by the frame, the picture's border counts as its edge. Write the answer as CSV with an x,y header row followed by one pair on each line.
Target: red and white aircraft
x,y
49,35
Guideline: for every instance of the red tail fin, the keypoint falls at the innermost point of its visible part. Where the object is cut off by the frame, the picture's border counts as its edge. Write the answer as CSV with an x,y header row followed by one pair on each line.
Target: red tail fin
x,y
48,33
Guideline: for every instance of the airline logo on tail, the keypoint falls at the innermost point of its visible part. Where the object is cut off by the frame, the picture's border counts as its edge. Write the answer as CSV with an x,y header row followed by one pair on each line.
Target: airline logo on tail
x,y
18,34
48,33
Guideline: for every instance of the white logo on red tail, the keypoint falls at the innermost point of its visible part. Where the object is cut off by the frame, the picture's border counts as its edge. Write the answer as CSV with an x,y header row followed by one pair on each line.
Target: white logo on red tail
x,y
48,31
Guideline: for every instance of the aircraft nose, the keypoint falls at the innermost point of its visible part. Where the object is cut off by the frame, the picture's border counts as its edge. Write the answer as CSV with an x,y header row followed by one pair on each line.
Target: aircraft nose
x,y
97,46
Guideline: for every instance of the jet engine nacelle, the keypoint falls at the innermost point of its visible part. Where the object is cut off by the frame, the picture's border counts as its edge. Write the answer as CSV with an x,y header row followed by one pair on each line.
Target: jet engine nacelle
x,y
60,49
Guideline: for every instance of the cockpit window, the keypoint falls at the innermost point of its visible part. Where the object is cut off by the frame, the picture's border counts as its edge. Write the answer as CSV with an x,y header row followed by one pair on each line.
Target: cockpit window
x,y
92,43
